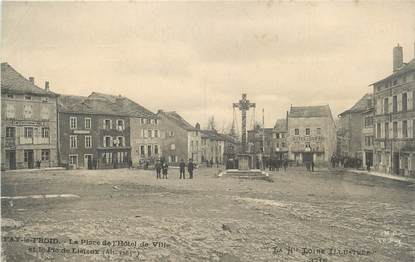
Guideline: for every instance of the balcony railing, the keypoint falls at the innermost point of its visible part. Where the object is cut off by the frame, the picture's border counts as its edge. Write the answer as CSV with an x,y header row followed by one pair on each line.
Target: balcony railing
x,y
34,140
25,140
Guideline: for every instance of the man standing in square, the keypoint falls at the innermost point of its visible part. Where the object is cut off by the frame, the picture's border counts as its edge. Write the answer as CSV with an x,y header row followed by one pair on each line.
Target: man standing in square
x,y
182,166
190,168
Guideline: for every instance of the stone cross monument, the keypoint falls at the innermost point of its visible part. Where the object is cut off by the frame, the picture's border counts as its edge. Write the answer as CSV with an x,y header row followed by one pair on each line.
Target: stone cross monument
x,y
243,105
244,159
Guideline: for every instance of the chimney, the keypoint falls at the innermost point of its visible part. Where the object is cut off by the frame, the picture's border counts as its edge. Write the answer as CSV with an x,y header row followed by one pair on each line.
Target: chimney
x,y
47,85
197,126
32,79
397,58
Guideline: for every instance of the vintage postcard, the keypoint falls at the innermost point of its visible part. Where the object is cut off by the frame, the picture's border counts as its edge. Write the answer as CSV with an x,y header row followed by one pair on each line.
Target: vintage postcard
x,y
208,131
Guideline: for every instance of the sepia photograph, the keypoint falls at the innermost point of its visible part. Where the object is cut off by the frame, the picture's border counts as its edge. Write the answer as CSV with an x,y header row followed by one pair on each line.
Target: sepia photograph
x,y
224,131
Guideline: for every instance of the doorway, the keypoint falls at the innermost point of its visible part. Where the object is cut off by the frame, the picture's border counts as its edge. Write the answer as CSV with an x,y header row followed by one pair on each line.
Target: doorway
x,y
28,158
395,164
307,157
11,155
88,161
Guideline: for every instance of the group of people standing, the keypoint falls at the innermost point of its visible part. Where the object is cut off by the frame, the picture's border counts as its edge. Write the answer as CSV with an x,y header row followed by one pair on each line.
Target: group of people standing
x,y
162,169
347,162
190,168
276,164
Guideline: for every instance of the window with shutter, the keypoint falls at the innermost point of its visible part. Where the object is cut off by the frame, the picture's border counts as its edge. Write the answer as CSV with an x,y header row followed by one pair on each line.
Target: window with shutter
x,y
404,102
413,129
9,111
404,129
399,103
27,111
45,112
410,101
400,129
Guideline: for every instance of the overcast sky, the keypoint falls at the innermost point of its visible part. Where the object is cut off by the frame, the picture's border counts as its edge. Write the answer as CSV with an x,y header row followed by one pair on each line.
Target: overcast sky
x,y
197,58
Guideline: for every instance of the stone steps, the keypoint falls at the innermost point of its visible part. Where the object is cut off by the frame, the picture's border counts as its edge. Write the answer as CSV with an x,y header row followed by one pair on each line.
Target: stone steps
x,y
246,174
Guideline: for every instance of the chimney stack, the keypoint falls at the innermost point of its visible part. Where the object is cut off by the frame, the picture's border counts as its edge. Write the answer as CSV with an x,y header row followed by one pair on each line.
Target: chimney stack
x,y
32,79
397,58
47,85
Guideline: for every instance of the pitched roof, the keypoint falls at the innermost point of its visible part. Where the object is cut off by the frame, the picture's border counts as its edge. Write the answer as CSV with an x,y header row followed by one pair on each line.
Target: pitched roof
x,y
175,117
125,104
281,125
360,106
410,66
69,102
310,111
13,82
212,134
86,105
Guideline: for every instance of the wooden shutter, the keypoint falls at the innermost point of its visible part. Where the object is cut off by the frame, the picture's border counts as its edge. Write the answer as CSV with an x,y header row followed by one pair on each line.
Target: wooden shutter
x,y
399,101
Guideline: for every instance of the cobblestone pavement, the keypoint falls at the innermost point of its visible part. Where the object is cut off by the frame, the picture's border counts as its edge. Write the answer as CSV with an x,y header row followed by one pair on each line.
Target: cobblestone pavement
x,y
301,216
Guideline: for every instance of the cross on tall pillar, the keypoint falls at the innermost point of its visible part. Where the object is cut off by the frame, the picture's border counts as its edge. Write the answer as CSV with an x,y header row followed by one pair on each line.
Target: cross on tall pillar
x,y
243,105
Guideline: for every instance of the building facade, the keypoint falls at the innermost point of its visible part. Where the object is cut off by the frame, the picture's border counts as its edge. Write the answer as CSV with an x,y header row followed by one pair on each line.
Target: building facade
x,y
93,133
145,132
367,139
279,139
213,146
351,126
311,134
28,122
180,140
394,120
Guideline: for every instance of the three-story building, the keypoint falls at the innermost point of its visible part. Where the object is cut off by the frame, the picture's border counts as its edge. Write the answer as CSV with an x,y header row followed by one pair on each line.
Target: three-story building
x,y
394,146
145,132
311,134
180,139
279,138
94,133
28,122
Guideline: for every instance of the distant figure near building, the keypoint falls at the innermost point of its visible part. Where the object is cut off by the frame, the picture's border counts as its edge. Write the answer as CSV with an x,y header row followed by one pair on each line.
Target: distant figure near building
x,y
165,168
190,168
94,163
158,169
182,166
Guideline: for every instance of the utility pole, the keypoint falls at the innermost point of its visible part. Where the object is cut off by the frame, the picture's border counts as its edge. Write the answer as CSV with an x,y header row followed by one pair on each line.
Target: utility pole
x,y
263,139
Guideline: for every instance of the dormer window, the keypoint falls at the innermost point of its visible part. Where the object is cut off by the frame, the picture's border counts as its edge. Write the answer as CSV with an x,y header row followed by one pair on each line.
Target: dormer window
x,y
27,97
10,96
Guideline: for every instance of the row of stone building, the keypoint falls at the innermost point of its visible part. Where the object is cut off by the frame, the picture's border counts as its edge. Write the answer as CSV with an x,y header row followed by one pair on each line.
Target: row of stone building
x,y
307,134
43,129
380,128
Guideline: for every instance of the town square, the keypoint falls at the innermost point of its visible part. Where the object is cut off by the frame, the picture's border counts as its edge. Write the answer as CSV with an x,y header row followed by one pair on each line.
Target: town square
x,y
197,131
